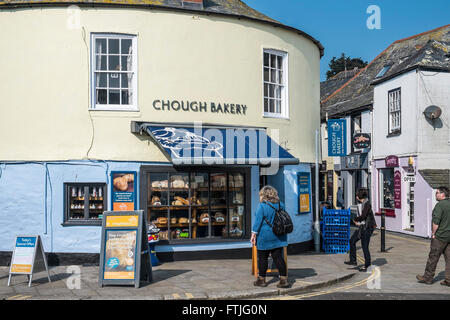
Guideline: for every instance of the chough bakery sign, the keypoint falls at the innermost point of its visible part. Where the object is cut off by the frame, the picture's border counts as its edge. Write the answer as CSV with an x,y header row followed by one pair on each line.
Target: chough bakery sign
x,y
197,106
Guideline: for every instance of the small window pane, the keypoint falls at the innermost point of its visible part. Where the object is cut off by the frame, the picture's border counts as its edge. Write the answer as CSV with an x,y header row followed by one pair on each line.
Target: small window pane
x,y
266,105
114,80
273,61
101,80
271,106
101,96
271,90
273,76
125,80
266,74
126,46
126,63
125,97
114,63
100,46
114,96
278,106
279,62
266,59
280,77
100,63
113,46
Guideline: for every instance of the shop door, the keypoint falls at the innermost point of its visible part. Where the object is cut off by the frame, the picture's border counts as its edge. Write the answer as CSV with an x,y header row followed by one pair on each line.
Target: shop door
x,y
410,206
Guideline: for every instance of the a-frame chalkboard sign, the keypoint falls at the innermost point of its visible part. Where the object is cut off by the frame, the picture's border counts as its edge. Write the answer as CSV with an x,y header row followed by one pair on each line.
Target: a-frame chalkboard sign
x,y
28,258
125,254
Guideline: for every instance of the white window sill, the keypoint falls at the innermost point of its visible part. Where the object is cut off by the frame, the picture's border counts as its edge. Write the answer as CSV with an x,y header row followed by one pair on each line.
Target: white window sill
x,y
275,116
114,108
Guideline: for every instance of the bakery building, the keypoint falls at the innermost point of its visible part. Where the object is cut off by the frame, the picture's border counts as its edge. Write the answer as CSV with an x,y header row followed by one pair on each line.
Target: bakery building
x,y
182,109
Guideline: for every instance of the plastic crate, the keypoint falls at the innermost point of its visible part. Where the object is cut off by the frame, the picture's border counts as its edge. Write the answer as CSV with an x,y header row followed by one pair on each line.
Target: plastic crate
x,y
336,235
336,212
336,221
335,249
333,228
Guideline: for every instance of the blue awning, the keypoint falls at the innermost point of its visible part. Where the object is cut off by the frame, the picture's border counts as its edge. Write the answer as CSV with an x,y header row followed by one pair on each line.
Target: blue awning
x,y
215,145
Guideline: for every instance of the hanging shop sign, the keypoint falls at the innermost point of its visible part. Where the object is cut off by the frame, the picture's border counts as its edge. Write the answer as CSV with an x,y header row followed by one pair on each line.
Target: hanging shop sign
x,y
397,190
197,106
124,193
355,161
125,254
361,141
337,133
304,190
28,258
391,161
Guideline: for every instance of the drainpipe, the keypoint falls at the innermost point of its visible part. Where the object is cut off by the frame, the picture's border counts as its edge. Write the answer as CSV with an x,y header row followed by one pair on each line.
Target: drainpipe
x,y
317,223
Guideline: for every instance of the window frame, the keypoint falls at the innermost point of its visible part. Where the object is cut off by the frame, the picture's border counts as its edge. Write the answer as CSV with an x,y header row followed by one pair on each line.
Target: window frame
x,y
284,114
394,131
114,107
83,222
144,198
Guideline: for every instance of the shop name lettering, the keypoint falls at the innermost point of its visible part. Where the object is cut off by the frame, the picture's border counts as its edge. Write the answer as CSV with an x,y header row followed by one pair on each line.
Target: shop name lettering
x,y
233,309
224,108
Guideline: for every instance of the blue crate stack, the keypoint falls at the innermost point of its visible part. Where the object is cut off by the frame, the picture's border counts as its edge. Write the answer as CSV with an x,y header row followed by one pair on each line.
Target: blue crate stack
x,y
336,231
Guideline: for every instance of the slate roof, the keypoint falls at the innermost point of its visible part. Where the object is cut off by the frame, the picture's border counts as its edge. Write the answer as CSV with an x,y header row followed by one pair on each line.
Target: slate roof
x,y
235,8
424,50
331,85
436,177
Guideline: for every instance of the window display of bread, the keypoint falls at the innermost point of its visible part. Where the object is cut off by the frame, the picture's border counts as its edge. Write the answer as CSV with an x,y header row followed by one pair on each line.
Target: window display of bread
x,y
183,220
164,184
162,220
173,220
177,203
218,181
156,184
156,201
184,201
204,217
177,182
219,217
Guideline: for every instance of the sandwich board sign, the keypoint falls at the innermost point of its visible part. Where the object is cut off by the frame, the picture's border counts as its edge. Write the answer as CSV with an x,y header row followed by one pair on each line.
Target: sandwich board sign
x,y
125,254
28,258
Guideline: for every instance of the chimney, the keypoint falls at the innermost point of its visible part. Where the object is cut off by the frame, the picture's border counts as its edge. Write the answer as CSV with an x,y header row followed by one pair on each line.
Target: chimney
x,y
193,4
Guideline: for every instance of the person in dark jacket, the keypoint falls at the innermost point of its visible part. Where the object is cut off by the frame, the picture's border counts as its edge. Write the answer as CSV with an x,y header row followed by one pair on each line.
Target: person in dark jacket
x,y
366,224
267,243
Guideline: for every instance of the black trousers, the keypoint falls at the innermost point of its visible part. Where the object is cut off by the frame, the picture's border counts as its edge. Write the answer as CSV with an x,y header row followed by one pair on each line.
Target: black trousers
x,y
363,235
277,256
437,248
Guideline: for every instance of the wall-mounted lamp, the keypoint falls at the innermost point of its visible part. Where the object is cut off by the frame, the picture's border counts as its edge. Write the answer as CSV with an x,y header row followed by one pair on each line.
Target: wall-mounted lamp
x,y
432,112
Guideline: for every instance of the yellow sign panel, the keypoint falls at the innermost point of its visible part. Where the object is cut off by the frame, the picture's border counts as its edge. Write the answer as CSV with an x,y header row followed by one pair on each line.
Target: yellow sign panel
x,y
122,221
19,268
126,275
304,203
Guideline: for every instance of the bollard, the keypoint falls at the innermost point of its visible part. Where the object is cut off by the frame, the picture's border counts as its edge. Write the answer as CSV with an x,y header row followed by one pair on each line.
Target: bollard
x,y
383,231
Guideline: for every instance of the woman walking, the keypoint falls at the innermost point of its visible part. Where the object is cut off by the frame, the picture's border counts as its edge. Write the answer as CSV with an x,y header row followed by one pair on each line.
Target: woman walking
x,y
366,224
267,243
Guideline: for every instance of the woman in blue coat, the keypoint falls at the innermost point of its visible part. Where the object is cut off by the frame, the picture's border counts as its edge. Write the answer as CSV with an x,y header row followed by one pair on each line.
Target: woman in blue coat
x,y
267,243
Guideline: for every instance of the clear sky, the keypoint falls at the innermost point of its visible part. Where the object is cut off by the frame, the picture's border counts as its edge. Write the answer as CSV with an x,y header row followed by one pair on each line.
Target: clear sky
x,y
341,25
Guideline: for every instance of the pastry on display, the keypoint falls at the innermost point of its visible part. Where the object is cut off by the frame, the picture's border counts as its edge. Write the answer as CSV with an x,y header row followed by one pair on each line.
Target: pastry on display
x,y
183,220
204,217
219,217
156,201
173,220
162,220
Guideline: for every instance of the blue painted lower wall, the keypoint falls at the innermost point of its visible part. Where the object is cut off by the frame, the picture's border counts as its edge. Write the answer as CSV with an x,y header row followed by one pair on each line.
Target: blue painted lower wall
x,y
32,202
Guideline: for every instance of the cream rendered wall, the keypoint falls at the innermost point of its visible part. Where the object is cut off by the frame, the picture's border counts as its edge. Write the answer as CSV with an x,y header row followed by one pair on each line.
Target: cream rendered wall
x,y
45,98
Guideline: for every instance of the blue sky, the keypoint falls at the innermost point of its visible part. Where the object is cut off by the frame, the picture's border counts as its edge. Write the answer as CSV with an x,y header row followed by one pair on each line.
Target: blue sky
x,y
341,25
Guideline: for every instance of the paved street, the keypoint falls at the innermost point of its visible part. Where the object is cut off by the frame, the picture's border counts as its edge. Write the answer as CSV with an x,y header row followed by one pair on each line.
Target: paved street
x,y
314,276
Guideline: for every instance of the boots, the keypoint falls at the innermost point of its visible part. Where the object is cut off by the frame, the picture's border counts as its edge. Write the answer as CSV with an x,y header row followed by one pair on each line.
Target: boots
x,y
283,282
260,282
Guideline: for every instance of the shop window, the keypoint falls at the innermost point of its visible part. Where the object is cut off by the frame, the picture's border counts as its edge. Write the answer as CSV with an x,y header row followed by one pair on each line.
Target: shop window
x,y
197,205
114,72
386,188
84,203
275,84
395,119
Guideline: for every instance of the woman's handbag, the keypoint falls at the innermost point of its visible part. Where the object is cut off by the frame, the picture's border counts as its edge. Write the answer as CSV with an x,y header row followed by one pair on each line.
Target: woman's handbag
x,y
282,222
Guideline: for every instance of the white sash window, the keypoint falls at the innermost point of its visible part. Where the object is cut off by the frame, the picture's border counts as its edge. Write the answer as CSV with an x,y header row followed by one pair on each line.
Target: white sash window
x,y
114,72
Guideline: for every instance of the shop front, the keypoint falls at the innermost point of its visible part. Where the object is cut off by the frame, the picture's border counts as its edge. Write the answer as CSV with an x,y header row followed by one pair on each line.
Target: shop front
x,y
394,185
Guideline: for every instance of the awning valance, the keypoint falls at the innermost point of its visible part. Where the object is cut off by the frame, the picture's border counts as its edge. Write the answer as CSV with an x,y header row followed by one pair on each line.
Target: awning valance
x,y
186,144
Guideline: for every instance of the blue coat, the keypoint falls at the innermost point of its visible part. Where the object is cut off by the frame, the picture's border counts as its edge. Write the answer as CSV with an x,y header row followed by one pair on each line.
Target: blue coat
x,y
265,238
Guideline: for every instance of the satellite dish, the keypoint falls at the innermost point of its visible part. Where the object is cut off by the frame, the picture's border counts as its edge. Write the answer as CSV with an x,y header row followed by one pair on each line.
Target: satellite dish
x,y
432,112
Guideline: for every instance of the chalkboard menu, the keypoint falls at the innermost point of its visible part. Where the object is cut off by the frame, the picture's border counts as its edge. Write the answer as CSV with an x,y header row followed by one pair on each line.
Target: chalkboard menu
x,y
125,255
